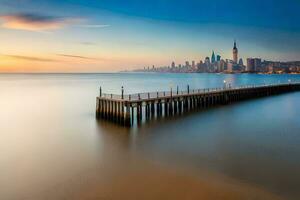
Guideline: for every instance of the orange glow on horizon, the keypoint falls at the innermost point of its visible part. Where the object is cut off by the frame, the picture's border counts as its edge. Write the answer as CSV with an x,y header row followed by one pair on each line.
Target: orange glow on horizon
x,y
70,63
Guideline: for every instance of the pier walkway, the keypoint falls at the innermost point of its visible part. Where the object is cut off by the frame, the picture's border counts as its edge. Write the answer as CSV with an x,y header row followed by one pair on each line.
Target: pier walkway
x,y
127,110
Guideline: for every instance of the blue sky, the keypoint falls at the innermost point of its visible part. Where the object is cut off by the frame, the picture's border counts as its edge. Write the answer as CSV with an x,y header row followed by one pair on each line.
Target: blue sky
x,y
109,35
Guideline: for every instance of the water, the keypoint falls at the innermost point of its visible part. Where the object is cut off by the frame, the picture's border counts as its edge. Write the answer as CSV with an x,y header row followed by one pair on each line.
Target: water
x,y
52,147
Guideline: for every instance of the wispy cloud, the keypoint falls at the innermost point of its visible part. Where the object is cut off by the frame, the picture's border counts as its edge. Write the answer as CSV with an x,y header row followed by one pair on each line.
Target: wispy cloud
x,y
77,56
87,58
88,43
43,23
35,22
94,25
30,58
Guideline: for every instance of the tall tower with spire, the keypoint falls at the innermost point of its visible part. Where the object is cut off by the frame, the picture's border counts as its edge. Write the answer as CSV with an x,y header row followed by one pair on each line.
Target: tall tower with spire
x,y
213,57
235,53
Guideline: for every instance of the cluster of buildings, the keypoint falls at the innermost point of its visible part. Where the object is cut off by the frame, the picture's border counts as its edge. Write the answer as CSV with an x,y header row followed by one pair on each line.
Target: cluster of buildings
x,y
215,64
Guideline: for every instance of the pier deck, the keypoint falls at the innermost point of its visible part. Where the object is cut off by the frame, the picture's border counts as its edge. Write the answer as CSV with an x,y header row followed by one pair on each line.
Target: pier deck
x,y
127,110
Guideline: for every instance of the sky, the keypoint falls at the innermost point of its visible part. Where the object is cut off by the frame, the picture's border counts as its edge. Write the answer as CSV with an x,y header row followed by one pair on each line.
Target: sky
x,y
114,35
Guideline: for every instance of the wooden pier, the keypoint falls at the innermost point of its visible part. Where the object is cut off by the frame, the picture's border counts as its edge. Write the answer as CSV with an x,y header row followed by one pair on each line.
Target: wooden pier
x,y
127,110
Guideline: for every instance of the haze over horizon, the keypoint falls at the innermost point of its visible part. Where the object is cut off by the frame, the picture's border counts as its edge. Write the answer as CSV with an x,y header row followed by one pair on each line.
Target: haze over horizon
x,y
104,36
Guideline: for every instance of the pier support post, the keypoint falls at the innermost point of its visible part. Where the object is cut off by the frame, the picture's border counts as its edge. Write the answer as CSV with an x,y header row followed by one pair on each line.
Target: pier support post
x,y
180,106
122,118
175,106
139,114
132,114
152,109
185,105
108,109
157,109
147,110
127,115
114,111
170,107
98,108
166,108
119,112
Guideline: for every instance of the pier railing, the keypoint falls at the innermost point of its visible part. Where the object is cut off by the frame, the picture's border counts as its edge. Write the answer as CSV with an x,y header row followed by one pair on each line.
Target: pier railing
x,y
177,92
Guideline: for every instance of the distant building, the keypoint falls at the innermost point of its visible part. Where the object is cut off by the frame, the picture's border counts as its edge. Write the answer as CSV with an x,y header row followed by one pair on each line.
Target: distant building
x,y
193,64
207,61
235,53
257,64
173,65
187,64
250,65
218,58
241,63
213,57
222,65
253,64
230,66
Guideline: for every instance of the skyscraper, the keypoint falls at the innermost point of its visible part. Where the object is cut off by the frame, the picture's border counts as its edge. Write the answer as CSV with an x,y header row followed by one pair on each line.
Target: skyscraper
x,y
207,64
187,64
230,66
218,58
257,64
235,53
250,65
241,63
213,57
253,64
173,65
207,61
193,64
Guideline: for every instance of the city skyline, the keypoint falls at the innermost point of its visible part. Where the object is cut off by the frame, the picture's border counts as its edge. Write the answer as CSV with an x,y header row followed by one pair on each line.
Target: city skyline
x,y
105,36
217,64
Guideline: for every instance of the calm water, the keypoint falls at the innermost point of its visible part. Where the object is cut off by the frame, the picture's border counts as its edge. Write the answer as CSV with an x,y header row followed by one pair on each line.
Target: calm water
x,y
52,147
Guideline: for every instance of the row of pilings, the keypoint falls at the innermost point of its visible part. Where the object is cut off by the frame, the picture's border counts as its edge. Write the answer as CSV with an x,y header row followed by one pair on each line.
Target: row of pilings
x,y
128,112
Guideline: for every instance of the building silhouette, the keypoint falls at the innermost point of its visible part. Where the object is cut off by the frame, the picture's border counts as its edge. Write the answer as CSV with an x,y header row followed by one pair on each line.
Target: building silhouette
x,y
235,53
253,64
241,63
173,65
213,57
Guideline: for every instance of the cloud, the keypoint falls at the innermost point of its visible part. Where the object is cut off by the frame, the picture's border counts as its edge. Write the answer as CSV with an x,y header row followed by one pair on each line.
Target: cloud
x,y
85,57
30,58
35,22
77,56
94,25
43,23
88,43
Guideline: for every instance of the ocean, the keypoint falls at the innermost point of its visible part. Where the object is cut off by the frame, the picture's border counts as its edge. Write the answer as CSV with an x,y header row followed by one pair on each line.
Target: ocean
x,y
52,146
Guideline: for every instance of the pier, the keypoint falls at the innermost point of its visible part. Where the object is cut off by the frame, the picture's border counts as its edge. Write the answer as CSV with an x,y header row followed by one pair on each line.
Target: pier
x,y
131,109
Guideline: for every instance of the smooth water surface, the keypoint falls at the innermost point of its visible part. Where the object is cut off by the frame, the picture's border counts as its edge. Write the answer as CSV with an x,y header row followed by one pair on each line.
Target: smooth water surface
x,y
52,147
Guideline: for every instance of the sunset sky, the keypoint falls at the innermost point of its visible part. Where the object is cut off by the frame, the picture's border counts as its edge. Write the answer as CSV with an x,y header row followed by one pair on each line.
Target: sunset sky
x,y
113,35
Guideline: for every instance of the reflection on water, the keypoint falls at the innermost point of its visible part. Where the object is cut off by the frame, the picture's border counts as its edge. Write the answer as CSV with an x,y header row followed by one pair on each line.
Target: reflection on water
x,y
52,147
